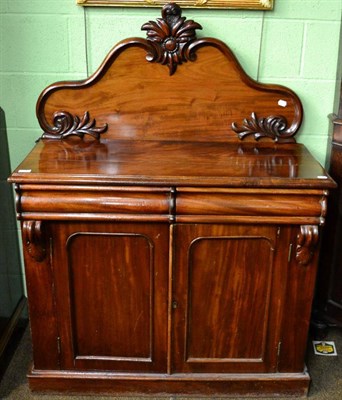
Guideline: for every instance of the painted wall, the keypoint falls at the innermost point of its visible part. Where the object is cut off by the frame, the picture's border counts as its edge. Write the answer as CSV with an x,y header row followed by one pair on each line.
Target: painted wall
x,y
43,41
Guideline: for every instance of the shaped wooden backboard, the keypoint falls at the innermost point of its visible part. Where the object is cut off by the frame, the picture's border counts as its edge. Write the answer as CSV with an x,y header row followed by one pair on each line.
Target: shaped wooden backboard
x,y
170,86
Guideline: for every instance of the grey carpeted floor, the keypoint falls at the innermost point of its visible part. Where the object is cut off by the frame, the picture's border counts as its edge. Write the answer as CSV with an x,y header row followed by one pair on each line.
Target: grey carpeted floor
x,y
326,373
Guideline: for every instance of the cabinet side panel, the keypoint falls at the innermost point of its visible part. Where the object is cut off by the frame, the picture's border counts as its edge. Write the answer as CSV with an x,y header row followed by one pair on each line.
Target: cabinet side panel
x,y
43,322
297,309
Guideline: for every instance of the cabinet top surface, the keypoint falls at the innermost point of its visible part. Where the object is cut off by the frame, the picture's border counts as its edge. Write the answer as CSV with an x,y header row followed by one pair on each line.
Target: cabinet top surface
x,y
171,163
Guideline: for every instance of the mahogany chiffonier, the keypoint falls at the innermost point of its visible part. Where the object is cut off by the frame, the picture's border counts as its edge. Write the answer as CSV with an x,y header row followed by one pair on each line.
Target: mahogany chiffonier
x,y
170,225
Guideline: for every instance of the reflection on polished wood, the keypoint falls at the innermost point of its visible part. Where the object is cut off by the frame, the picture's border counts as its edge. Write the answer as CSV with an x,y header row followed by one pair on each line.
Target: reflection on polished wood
x,y
166,255
173,163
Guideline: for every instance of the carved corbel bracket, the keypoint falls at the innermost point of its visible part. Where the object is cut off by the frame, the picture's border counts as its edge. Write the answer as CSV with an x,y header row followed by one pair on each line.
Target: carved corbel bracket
x,y
307,240
33,239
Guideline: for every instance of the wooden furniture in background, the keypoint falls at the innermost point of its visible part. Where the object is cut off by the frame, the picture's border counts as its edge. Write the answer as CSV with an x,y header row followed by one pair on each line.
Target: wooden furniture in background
x,y
328,302
170,225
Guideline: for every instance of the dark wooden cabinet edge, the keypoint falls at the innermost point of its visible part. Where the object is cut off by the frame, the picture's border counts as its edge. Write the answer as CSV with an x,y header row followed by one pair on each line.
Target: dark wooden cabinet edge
x,y
12,334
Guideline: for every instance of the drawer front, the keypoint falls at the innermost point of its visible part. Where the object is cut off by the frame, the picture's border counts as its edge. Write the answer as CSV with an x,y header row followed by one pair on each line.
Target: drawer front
x,y
250,205
280,206
99,203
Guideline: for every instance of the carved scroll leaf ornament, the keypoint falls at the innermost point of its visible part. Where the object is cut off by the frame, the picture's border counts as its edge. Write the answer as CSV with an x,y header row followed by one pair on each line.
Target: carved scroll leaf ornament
x,y
65,124
274,127
170,36
307,240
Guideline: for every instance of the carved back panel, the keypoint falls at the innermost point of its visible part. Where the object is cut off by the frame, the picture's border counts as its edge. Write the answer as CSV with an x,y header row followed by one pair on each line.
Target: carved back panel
x,y
170,86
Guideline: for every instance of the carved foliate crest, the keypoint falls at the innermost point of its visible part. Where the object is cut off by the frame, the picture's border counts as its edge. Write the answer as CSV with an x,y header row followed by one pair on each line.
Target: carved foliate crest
x,y
170,36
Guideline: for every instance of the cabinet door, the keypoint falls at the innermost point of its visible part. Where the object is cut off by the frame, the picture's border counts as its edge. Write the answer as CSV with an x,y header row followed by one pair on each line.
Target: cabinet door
x,y
228,291
111,295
